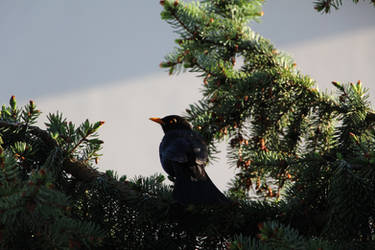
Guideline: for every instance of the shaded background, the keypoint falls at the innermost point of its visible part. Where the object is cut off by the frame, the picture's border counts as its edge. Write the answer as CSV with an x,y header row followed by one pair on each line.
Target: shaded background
x,y
99,60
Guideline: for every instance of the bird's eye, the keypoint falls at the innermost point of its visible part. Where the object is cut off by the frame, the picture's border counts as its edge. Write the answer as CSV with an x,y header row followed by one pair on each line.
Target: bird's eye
x,y
174,120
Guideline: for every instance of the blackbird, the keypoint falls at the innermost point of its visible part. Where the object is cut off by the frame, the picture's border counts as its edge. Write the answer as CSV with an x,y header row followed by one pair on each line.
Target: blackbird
x,y
183,155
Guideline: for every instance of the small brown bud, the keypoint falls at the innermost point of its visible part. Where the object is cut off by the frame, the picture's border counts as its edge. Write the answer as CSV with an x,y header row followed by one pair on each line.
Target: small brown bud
x,y
257,186
270,92
270,192
42,172
263,144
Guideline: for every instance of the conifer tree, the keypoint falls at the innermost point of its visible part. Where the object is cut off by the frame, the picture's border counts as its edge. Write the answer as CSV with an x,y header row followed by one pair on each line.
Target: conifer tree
x,y
302,149
326,5
308,156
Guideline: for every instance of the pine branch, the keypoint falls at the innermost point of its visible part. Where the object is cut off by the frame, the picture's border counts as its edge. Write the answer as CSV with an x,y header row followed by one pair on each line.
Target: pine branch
x,y
327,5
78,169
42,134
194,33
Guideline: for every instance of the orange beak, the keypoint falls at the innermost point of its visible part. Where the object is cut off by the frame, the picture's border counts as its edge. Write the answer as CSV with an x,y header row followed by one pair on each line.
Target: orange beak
x,y
157,120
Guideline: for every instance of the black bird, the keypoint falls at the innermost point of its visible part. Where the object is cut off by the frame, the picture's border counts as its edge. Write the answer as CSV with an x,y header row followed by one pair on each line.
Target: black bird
x,y
183,155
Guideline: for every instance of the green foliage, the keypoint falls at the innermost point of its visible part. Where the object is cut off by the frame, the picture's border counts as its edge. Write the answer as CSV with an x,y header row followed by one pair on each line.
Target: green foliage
x,y
276,236
35,213
51,197
307,156
305,150
81,143
326,5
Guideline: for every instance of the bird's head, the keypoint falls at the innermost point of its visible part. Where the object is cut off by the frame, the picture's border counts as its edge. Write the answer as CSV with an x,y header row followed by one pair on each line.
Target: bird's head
x,y
172,122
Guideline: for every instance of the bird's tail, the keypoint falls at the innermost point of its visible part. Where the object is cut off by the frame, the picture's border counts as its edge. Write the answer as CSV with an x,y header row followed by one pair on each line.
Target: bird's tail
x,y
188,190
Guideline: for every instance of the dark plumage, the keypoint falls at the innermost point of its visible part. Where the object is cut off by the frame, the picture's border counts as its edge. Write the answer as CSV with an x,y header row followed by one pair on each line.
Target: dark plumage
x,y
183,155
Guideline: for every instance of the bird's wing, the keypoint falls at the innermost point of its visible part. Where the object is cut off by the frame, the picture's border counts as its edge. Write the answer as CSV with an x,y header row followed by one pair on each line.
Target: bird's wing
x,y
183,150
175,149
199,149
183,155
